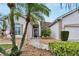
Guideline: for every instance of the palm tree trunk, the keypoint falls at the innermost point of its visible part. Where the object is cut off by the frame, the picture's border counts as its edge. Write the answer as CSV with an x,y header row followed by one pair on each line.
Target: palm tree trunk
x,y
24,35
14,50
12,24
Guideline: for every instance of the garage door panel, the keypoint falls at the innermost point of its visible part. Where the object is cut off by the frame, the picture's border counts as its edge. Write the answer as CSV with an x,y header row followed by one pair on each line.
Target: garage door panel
x,y
73,33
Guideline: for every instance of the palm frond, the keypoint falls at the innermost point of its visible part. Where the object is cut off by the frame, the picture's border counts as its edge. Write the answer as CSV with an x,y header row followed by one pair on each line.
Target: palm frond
x,y
4,24
20,7
3,51
34,19
41,8
39,15
5,17
70,5
18,14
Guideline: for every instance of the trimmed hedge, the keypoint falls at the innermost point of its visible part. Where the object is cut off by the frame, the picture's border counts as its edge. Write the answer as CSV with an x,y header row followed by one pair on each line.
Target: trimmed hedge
x,y
64,35
64,48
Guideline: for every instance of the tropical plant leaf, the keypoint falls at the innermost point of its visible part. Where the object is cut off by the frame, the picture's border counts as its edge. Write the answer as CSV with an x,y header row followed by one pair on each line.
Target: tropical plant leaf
x,y
3,51
4,24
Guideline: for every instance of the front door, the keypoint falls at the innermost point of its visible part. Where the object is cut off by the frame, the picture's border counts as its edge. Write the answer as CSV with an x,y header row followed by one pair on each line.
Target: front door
x,y
36,32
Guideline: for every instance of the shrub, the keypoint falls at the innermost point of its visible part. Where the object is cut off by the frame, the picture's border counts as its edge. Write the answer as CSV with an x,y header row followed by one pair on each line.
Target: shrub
x,y
15,51
45,32
64,48
64,35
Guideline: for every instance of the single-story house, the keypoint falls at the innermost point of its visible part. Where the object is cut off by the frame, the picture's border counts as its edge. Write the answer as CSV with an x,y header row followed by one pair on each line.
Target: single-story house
x,y
67,22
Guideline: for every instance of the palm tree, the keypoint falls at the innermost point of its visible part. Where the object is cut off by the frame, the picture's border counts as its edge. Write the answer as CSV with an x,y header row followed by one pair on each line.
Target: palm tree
x,y
12,6
34,12
14,49
13,13
12,27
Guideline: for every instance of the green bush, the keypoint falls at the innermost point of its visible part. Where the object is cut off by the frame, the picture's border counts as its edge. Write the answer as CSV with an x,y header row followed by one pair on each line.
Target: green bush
x,y
64,35
64,48
46,31
15,51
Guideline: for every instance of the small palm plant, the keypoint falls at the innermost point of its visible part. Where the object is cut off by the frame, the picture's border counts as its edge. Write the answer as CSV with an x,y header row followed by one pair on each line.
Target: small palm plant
x,y
4,26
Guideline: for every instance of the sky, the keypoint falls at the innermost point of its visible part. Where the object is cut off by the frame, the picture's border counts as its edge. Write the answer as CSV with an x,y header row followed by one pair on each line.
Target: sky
x,y
55,12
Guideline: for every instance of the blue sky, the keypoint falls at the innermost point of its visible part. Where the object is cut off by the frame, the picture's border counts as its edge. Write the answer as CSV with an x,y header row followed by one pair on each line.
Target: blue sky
x,y
56,11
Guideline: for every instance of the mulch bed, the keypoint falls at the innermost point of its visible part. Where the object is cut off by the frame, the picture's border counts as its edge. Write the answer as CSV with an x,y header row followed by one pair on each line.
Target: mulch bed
x,y
29,50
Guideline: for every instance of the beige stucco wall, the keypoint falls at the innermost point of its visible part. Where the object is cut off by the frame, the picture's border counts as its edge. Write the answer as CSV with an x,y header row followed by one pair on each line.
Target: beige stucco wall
x,y
55,31
71,19
29,31
22,22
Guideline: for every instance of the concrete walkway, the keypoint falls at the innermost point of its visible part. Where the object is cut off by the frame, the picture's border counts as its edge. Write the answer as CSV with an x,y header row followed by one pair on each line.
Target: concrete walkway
x,y
36,43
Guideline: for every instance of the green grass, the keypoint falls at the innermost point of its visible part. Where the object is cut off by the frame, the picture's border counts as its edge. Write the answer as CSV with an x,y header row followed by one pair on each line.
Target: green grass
x,y
5,46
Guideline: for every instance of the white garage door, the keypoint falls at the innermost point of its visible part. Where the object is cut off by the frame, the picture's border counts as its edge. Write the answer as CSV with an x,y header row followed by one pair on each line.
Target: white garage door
x,y
73,33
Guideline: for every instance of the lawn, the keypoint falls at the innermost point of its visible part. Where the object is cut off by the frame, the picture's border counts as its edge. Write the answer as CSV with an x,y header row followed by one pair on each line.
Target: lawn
x,y
5,46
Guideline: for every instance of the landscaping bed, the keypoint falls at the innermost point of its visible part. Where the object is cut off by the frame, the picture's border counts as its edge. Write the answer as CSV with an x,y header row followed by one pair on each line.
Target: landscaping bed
x,y
64,48
29,50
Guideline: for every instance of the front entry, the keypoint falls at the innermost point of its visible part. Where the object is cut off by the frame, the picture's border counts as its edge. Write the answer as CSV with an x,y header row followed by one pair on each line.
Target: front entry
x,y
35,31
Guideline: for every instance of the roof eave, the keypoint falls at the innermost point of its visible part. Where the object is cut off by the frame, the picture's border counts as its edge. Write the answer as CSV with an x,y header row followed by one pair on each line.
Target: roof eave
x,y
60,17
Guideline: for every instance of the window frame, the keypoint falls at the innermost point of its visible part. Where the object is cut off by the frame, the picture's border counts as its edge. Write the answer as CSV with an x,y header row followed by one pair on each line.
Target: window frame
x,y
21,28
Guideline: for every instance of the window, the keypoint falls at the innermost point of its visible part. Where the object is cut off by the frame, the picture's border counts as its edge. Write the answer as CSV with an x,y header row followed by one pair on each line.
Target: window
x,y
18,29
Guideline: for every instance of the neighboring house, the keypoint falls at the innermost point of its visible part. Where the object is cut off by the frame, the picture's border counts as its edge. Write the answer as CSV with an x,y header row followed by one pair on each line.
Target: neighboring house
x,y
67,22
